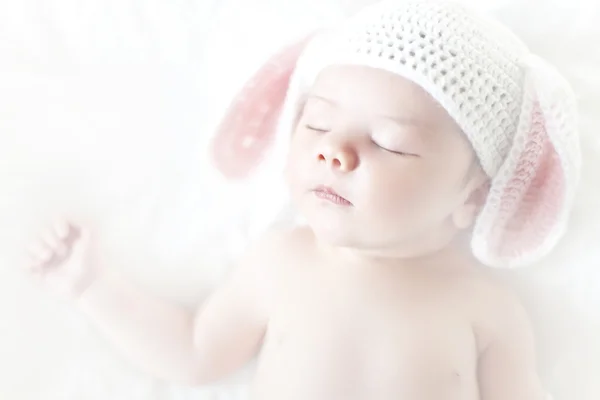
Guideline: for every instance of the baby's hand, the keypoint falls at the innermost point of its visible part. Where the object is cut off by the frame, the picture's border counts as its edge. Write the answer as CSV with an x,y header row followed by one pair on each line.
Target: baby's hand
x,y
59,261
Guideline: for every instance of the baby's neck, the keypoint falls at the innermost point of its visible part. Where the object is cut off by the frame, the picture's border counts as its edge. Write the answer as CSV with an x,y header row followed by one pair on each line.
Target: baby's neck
x,y
456,255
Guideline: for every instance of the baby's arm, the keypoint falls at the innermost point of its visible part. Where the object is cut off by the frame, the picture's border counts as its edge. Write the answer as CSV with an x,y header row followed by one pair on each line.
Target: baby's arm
x,y
168,341
507,364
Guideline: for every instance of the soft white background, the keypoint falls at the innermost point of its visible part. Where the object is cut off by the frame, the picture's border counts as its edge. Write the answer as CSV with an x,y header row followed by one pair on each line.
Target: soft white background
x,y
106,107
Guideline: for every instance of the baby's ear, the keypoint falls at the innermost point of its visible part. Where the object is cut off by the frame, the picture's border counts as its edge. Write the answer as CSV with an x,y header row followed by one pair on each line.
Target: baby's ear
x,y
480,189
477,189
248,127
466,214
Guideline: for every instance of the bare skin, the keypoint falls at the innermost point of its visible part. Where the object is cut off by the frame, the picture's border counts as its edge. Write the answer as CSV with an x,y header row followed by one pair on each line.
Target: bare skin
x,y
377,298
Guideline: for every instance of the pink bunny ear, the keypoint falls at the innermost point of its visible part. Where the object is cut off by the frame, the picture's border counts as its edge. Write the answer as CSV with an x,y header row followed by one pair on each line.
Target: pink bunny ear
x,y
531,197
249,125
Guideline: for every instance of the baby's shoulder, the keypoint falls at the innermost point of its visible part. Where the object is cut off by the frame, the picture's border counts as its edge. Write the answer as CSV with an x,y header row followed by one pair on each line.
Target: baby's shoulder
x,y
486,287
266,259
497,308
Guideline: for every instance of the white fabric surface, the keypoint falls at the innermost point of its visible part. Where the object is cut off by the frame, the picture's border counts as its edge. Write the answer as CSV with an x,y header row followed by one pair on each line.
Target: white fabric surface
x,y
105,111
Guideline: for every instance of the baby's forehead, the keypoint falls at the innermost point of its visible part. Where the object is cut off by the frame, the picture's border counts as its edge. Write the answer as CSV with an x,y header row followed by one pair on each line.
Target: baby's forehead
x,y
379,92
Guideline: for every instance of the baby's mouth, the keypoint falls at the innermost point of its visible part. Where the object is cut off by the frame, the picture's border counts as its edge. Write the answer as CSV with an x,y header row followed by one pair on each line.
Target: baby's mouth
x,y
327,193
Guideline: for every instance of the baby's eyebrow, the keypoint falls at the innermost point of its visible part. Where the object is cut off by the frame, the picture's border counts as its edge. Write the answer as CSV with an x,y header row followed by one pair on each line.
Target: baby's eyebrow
x,y
319,97
405,121
401,120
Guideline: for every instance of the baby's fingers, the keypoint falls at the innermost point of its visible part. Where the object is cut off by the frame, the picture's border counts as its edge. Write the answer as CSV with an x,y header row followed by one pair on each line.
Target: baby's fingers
x,y
39,254
62,229
49,248
54,243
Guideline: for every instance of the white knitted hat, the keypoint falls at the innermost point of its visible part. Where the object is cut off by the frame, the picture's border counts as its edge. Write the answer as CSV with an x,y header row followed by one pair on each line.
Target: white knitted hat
x,y
517,111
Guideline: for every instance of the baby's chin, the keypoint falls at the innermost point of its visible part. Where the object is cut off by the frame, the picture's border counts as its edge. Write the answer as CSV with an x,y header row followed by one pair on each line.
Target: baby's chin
x,y
333,231
333,236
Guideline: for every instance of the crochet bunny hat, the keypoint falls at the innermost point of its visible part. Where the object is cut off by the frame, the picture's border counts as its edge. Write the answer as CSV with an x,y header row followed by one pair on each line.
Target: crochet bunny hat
x,y
516,110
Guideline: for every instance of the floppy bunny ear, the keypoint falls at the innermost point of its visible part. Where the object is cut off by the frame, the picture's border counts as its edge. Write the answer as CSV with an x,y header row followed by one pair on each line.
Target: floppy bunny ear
x,y
249,125
530,199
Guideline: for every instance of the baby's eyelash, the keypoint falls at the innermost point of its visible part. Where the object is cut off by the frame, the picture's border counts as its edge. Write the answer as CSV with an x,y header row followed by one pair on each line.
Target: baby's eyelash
x,y
400,153
312,128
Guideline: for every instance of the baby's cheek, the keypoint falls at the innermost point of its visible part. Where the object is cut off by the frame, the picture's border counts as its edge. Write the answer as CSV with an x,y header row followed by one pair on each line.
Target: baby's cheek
x,y
398,197
296,170
408,201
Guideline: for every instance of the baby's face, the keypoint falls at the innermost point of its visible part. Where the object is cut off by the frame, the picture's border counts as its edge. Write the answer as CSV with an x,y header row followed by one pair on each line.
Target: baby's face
x,y
383,144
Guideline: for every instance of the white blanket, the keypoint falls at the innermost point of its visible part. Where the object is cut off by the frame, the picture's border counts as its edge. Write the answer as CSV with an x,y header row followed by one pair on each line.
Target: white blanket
x,y
106,107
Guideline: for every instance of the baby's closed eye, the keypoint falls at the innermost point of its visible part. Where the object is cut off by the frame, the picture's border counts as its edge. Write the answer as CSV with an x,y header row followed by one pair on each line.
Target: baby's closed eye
x,y
394,142
394,150
317,115
317,127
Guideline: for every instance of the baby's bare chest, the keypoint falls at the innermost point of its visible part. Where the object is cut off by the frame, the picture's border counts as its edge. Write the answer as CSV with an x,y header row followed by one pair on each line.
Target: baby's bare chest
x,y
354,337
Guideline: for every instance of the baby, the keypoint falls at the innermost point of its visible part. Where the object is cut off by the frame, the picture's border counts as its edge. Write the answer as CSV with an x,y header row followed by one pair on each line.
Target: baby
x,y
426,144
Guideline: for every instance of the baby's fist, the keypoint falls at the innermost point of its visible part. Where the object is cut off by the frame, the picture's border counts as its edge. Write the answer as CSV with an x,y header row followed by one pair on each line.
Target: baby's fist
x,y
58,259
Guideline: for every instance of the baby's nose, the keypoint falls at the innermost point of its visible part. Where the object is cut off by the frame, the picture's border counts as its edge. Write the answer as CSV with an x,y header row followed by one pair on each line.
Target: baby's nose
x,y
339,156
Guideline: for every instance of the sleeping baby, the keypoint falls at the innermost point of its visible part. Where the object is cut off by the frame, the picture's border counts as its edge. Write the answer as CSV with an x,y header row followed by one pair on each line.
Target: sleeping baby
x,y
424,146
